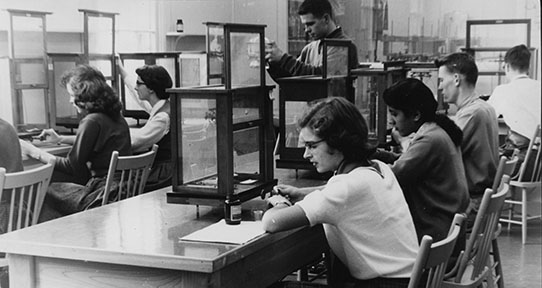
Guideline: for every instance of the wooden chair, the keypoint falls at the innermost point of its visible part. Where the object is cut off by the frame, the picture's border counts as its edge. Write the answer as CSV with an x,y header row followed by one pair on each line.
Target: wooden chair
x,y
526,187
504,171
133,172
24,192
433,257
474,265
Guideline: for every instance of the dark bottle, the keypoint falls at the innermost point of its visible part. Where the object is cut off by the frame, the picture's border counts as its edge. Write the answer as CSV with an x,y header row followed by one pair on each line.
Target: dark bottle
x,y
179,27
232,211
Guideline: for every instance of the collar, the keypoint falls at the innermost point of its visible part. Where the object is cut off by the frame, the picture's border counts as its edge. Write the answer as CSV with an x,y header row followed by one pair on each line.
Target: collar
x,y
333,34
158,106
521,76
468,100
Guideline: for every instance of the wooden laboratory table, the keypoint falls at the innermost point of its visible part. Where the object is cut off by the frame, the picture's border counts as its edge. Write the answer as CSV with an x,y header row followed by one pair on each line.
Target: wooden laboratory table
x,y
135,243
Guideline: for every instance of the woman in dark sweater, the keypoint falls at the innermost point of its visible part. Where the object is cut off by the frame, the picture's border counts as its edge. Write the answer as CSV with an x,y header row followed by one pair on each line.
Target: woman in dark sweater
x,y
79,178
430,171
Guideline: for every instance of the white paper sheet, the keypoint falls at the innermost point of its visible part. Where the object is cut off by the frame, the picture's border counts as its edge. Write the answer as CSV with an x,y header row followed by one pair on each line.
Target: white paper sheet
x,y
221,232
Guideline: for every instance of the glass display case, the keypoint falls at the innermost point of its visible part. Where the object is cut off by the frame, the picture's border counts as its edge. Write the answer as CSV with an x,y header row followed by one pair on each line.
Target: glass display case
x,y
371,83
222,134
27,40
297,92
98,44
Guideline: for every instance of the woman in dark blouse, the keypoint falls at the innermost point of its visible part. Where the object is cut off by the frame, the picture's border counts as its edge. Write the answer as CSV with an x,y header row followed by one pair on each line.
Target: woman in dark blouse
x,y
79,178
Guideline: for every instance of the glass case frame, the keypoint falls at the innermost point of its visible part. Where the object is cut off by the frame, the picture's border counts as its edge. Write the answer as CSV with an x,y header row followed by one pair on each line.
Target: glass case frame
x,y
301,90
26,81
370,101
226,98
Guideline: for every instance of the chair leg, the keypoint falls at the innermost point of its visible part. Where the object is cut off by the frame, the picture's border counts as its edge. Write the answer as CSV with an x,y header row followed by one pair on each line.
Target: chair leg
x,y
524,216
497,263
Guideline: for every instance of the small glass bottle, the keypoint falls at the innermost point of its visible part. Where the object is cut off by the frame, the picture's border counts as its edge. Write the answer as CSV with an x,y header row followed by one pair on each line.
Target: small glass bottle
x,y
232,211
180,26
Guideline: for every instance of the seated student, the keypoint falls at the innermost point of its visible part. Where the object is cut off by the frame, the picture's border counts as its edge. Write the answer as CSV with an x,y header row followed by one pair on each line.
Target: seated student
x,y
11,160
518,101
457,76
10,150
365,215
101,131
430,170
150,93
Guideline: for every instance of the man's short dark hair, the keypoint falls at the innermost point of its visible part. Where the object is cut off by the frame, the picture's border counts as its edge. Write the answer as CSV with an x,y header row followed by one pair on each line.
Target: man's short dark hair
x,y
318,8
461,63
155,78
518,57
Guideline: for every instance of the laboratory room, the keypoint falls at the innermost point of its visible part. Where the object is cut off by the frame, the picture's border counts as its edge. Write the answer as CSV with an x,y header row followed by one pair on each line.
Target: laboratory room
x,y
270,143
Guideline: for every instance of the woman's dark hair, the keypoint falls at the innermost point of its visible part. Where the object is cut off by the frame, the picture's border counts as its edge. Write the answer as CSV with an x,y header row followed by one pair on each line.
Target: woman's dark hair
x,y
412,95
341,125
156,78
91,91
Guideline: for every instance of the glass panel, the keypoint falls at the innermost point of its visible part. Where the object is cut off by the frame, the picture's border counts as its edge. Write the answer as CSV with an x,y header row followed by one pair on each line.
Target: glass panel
x,y
30,73
33,101
337,60
64,109
190,72
100,35
366,101
198,148
103,65
246,108
498,35
491,61
293,110
28,37
246,155
215,49
487,83
215,81
169,65
216,65
131,65
245,58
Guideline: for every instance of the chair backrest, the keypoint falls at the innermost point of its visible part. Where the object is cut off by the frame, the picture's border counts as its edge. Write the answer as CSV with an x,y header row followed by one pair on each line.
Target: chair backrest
x,y
24,192
506,167
133,172
433,257
478,245
530,170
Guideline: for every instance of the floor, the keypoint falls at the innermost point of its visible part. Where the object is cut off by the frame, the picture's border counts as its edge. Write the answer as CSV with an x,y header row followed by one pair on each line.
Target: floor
x,y
522,264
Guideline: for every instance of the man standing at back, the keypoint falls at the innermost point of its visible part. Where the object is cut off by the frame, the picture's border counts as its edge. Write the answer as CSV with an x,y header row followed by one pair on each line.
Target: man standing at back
x,y
317,16
518,101
457,75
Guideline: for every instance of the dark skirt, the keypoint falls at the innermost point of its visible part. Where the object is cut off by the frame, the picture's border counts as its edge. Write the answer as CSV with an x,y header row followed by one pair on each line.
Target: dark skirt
x,y
160,176
63,199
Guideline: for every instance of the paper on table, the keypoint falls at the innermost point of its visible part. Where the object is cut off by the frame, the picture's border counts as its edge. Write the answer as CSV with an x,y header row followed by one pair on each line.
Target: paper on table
x,y
221,232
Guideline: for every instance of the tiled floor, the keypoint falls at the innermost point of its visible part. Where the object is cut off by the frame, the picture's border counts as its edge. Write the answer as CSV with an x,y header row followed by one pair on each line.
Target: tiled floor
x,y
522,264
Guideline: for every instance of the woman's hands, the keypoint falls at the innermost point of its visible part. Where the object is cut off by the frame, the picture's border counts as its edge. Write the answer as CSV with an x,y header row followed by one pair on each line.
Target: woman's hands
x,y
28,150
294,194
50,135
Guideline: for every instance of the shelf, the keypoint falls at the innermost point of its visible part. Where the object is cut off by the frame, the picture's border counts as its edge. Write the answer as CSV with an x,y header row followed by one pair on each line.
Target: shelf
x,y
177,34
